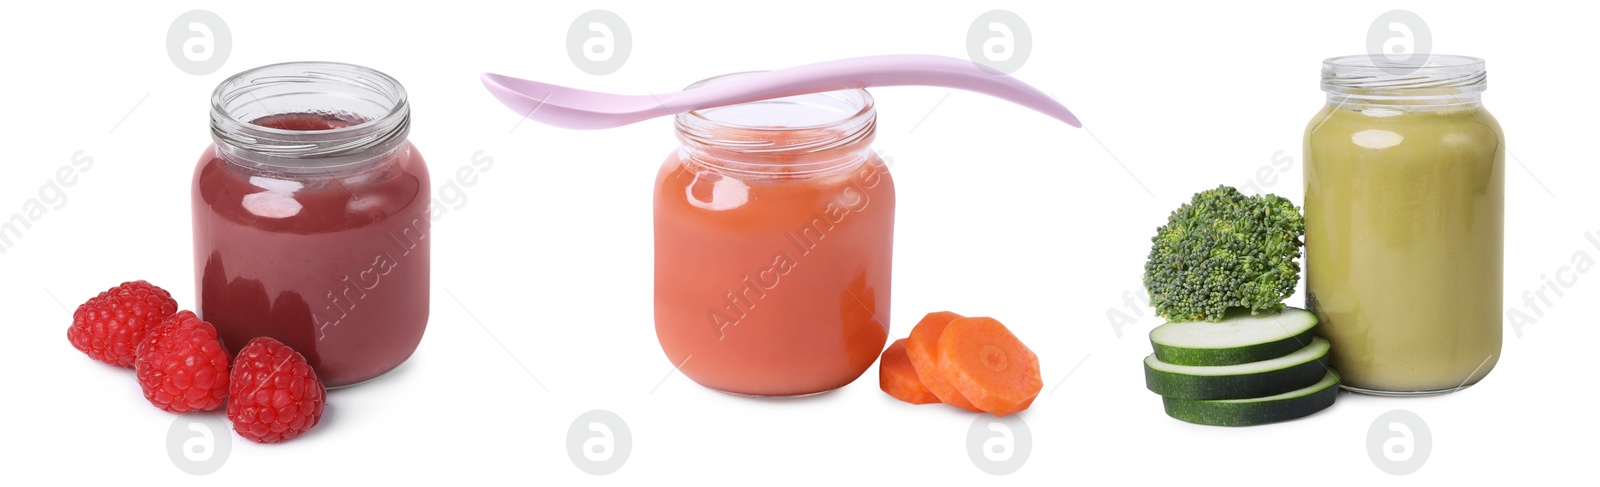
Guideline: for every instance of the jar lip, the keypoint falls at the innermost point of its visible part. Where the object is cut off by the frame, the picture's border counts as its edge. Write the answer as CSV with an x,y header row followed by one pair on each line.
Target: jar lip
x,y
1434,76
802,136
1429,63
376,103
233,87
859,98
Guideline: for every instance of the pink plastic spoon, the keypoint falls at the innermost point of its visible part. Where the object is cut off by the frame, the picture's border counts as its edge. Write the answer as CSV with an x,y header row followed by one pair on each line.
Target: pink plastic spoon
x,y
581,109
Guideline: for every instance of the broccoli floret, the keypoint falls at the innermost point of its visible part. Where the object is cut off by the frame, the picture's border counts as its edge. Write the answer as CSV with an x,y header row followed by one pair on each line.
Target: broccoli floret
x,y
1221,250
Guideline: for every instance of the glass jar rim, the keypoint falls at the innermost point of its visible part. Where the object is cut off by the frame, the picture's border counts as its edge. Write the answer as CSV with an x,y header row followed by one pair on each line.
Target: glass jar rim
x,y
801,136
864,106
1429,61
380,101
1376,76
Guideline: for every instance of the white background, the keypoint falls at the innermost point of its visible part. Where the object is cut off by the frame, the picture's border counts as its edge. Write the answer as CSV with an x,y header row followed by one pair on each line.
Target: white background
x,y
1002,212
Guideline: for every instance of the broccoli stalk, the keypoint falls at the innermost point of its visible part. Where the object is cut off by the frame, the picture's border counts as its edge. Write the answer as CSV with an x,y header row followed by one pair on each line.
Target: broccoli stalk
x,y
1222,250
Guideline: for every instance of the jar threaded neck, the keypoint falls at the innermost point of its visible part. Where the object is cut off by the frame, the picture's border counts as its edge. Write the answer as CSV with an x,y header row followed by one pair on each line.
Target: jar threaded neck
x,y
374,103
800,136
1435,79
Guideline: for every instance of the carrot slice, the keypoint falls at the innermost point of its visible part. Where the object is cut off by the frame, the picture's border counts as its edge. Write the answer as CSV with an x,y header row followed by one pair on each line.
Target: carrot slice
x,y
898,377
923,348
989,366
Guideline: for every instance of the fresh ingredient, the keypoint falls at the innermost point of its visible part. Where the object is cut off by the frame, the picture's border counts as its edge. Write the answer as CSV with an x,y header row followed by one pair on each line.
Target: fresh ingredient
x,y
1241,337
1224,249
988,365
923,349
275,394
109,326
898,377
1256,379
271,393
181,366
1231,353
1294,404
970,363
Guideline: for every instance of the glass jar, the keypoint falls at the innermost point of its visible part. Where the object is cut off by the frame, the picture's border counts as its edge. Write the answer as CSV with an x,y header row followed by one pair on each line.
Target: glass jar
x,y
1405,224
311,218
774,228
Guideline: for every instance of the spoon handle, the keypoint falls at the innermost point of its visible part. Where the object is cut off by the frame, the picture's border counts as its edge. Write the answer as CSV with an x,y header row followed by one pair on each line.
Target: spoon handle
x,y
867,72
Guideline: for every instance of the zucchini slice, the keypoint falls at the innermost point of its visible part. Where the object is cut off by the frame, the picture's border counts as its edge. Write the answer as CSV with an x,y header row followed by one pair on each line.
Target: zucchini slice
x,y
1296,370
1239,338
1294,404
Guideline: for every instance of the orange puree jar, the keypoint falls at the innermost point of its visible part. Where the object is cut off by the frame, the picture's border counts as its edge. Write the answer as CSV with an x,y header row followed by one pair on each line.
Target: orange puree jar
x,y
774,230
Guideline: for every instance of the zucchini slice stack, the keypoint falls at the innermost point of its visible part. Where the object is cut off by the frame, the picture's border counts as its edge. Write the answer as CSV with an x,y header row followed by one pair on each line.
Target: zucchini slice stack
x,y
1244,370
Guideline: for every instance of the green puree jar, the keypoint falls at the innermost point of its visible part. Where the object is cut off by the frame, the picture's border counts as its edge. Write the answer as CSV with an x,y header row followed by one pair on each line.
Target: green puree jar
x,y
1405,223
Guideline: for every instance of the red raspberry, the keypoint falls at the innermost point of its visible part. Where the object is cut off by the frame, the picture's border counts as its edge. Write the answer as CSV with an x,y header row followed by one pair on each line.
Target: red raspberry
x,y
182,367
275,394
110,326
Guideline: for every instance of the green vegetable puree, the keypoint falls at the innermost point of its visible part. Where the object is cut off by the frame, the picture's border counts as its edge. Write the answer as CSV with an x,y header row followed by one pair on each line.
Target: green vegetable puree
x,y
1405,216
